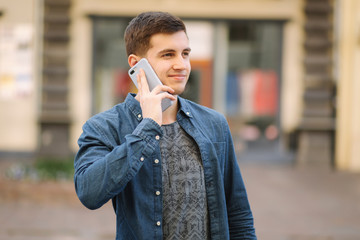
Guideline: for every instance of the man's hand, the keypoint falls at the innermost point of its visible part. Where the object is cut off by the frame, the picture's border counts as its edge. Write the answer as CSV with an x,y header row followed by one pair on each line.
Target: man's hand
x,y
150,101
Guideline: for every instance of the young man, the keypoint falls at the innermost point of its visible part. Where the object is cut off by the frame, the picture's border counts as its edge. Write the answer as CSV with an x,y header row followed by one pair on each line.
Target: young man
x,y
171,174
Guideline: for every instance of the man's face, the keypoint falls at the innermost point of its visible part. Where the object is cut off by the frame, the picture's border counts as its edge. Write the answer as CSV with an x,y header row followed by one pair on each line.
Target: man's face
x,y
169,56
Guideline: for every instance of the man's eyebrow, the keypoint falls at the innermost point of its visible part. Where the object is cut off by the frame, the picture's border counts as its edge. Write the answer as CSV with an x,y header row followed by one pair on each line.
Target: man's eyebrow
x,y
167,50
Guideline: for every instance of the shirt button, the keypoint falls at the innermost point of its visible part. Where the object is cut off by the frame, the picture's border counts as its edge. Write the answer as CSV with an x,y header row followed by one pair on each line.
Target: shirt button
x,y
142,159
158,223
157,193
156,161
157,137
187,113
139,116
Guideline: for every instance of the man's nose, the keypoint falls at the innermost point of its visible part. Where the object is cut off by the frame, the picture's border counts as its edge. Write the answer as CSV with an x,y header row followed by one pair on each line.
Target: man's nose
x,y
180,63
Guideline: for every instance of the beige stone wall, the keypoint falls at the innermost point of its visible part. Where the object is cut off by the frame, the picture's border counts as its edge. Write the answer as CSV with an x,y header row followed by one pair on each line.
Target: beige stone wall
x,y
292,69
80,70
248,9
348,77
18,113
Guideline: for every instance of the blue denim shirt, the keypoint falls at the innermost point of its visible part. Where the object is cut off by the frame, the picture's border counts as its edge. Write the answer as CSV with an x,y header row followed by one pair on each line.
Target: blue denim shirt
x,y
119,159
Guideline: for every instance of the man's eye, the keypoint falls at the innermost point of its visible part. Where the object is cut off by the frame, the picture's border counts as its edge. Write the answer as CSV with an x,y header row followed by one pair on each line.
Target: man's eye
x,y
168,55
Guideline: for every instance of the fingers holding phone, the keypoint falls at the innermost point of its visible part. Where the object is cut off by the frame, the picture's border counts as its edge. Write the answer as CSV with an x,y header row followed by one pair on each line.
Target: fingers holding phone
x,y
152,80
151,102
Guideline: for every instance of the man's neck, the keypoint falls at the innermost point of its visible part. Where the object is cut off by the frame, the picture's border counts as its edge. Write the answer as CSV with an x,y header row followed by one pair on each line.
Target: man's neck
x,y
169,115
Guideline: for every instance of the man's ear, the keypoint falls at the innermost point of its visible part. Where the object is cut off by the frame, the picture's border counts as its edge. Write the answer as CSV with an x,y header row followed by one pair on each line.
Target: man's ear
x,y
133,59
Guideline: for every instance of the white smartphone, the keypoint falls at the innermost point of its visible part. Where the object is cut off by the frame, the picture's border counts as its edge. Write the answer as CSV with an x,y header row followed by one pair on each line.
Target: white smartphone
x,y
151,77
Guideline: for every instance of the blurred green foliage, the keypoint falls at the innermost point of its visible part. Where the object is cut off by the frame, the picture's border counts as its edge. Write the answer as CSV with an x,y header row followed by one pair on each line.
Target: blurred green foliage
x,y
54,168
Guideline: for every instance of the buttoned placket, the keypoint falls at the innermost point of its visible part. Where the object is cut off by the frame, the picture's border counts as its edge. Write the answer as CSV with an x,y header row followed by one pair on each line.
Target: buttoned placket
x,y
157,191
157,187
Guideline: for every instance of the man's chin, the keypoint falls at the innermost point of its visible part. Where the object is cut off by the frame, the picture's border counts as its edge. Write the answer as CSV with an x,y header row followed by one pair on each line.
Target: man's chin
x,y
178,92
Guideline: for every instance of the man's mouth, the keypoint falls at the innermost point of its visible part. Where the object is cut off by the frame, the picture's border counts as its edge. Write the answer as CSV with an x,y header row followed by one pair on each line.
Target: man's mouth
x,y
178,76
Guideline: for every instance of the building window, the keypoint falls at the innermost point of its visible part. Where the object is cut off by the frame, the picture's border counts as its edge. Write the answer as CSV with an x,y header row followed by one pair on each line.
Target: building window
x,y
253,84
110,79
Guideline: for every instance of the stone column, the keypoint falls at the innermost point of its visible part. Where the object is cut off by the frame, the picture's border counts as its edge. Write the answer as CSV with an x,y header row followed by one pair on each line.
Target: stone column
x,y
54,118
316,130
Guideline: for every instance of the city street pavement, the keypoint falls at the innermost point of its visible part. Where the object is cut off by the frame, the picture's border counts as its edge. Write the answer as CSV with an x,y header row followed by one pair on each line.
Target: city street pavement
x,y
303,203
288,203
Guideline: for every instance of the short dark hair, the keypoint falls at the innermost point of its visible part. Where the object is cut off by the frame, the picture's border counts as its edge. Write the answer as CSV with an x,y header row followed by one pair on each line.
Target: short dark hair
x,y
141,28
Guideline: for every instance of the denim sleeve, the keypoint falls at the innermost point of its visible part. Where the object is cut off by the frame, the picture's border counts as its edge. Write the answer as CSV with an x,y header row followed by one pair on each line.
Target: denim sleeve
x,y
102,170
241,223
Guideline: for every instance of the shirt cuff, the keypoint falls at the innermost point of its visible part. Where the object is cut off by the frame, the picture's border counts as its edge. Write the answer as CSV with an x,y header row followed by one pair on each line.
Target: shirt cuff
x,y
150,131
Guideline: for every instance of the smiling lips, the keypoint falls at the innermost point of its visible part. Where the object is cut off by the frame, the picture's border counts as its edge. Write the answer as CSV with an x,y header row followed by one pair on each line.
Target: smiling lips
x,y
178,76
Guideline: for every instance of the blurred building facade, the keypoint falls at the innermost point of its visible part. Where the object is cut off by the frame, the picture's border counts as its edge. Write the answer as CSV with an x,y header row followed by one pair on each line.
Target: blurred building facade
x,y
282,71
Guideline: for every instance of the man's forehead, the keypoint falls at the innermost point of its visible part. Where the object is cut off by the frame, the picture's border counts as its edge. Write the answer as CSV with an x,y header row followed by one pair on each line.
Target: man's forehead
x,y
170,41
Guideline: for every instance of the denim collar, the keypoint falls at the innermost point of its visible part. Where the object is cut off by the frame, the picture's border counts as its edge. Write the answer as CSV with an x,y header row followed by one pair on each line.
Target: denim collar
x,y
134,106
